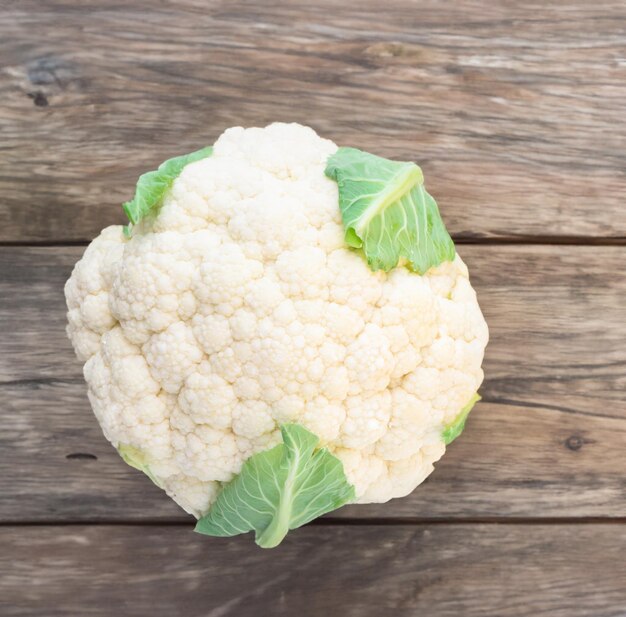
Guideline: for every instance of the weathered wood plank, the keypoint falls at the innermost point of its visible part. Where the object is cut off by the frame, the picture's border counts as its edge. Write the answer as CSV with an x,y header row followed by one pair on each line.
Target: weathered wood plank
x,y
511,462
514,110
440,570
548,441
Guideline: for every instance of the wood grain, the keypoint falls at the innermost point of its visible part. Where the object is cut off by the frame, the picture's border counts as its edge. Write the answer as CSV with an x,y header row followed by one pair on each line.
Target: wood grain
x,y
435,570
514,110
548,440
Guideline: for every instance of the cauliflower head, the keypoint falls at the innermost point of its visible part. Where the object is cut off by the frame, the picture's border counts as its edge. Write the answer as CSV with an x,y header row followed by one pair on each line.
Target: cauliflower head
x,y
245,302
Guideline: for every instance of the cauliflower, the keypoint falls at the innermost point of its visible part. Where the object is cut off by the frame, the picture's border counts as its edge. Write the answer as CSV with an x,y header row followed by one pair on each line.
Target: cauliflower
x,y
284,328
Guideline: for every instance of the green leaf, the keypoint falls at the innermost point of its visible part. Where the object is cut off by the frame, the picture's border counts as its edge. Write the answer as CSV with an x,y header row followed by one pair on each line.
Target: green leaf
x,y
152,186
387,212
455,428
280,489
136,458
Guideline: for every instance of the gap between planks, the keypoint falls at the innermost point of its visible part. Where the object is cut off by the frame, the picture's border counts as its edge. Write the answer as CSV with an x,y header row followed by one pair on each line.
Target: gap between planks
x,y
460,240
339,522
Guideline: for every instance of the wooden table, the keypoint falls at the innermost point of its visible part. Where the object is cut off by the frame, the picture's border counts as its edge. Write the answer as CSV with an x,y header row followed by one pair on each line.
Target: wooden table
x,y
515,112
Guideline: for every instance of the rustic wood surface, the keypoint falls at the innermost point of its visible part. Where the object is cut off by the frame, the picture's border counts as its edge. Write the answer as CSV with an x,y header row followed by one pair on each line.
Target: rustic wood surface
x,y
515,112
368,571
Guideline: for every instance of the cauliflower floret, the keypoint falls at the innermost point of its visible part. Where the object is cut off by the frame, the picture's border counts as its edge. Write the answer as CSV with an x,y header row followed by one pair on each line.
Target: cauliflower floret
x,y
239,308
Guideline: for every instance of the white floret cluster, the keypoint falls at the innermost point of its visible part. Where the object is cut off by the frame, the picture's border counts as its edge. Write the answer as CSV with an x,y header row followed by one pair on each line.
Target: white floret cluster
x,y
239,308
